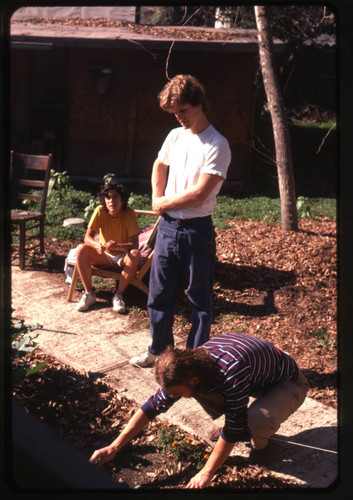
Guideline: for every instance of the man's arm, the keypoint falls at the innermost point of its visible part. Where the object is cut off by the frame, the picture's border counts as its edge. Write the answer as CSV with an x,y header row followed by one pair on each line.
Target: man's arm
x,y
137,422
188,198
158,179
218,456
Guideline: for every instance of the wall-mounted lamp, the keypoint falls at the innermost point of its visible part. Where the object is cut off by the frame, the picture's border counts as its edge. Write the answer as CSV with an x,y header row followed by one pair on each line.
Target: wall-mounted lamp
x,y
102,74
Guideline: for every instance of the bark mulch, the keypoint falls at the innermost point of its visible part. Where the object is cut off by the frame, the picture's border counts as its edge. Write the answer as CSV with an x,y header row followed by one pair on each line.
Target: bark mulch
x,y
279,285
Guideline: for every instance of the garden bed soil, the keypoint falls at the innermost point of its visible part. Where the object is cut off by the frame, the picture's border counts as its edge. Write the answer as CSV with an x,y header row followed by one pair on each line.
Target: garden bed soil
x,y
280,285
89,414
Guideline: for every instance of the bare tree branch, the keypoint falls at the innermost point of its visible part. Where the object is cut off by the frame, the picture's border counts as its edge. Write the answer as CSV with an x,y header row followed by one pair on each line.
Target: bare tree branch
x,y
324,139
184,23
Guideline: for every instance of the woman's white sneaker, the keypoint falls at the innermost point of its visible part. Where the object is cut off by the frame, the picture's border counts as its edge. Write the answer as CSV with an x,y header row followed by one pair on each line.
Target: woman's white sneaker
x,y
87,300
118,303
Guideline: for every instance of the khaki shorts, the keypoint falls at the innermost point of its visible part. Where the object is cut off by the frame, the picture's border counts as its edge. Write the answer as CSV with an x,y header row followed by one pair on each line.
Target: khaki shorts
x,y
271,409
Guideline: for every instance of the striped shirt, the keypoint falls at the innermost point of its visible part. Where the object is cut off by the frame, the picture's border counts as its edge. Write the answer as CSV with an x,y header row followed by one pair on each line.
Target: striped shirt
x,y
245,366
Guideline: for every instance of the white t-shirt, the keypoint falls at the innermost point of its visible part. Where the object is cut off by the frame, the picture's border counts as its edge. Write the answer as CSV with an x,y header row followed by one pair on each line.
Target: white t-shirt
x,y
189,155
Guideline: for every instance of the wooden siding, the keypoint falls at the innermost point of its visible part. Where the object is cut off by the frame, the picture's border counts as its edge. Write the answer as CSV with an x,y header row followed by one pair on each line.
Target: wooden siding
x,y
122,130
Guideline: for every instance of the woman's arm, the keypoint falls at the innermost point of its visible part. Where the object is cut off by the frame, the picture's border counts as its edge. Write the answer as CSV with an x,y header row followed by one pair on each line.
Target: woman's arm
x,y
89,240
123,247
89,237
137,422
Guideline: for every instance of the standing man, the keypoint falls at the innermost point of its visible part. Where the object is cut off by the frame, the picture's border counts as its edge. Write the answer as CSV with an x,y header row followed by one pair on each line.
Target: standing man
x,y
221,375
186,178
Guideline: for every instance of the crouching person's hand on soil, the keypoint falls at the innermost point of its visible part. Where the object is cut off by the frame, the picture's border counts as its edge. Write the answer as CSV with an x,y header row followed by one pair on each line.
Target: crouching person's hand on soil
x,y
218,456
137,422
103,455
201,480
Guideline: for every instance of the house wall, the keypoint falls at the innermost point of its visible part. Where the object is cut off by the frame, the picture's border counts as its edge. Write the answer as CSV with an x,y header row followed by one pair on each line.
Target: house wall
x,y
39,103
62,107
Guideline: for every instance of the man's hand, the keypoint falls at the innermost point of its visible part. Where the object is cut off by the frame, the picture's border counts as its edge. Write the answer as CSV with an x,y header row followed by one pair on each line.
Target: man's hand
x,y
201,480
218,456
187,198
135,425
103,455
159,205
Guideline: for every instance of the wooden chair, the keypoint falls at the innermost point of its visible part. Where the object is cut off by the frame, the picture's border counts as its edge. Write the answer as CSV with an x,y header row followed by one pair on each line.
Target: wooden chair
x,y
29,172
146,249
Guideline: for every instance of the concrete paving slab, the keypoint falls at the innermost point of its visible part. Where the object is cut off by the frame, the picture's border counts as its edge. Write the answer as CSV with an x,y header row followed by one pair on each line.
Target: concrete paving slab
x,y
99,341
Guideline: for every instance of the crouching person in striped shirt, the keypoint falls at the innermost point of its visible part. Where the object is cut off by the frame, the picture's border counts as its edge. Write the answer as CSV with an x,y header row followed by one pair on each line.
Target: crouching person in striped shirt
x,y
221,375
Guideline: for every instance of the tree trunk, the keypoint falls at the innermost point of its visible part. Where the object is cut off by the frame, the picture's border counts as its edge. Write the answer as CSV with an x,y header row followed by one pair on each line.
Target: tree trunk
x,y
284,161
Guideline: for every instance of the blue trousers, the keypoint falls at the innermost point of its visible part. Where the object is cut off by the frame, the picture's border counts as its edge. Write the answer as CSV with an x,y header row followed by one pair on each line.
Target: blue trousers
x,y
185,250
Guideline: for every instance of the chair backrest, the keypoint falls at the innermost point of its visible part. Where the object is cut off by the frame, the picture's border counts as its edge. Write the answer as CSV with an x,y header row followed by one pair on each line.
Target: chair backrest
x,y
28,173
148,235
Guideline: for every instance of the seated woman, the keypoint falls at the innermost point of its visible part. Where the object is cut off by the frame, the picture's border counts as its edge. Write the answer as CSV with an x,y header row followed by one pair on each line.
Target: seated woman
x,y
118,230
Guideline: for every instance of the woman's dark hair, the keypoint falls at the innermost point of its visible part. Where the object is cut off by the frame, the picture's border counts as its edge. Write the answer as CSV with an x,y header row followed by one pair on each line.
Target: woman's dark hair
x,y
177,366
119,188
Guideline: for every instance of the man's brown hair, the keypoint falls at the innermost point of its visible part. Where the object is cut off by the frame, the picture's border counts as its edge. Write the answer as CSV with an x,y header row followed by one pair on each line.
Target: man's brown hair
x,y
182,89
177,366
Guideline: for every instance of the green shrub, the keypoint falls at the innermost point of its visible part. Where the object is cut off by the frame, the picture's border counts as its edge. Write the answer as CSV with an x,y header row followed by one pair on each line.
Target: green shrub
x,y
21,345
63,205
59,208
60,181
303,206
90,208
140,201
323,207
73,204
68,233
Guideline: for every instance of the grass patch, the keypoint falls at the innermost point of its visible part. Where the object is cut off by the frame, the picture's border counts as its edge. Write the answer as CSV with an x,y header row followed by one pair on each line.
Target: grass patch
x,y
310,124
266,209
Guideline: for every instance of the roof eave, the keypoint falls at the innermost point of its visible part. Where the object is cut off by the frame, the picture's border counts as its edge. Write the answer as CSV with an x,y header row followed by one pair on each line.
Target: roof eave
x,y
35,41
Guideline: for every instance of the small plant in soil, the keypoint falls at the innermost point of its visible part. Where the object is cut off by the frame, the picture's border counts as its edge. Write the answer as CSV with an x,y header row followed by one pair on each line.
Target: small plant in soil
x,y
323,338
22,343
170,441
